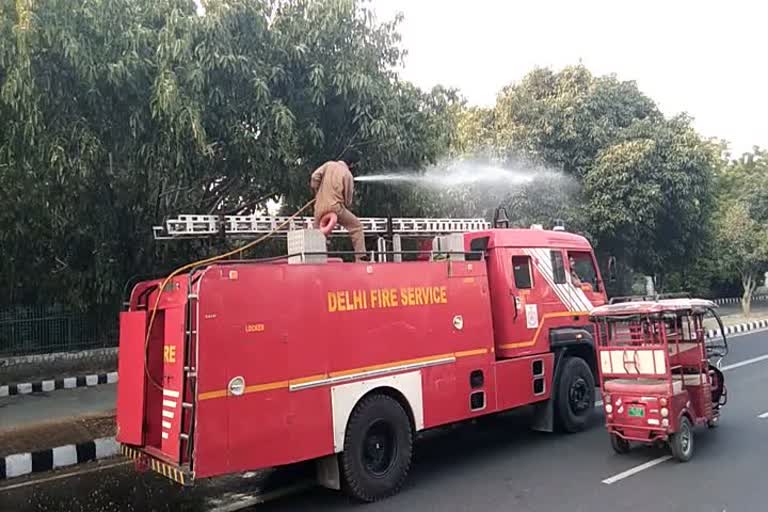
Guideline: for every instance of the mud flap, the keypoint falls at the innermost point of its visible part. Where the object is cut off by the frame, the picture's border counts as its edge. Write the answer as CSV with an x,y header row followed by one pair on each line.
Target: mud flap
x,y
544,412
328,472
544,416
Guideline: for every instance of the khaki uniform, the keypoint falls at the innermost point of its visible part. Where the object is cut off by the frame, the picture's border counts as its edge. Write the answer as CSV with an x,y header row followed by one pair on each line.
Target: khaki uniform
x,y
334,188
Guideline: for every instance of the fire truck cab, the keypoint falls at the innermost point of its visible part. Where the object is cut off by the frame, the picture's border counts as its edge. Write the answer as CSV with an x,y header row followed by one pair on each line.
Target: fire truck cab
x,y
242,365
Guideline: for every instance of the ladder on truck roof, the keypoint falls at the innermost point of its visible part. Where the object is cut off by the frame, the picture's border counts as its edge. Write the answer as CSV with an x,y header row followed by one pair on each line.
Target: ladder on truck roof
x,y
250,226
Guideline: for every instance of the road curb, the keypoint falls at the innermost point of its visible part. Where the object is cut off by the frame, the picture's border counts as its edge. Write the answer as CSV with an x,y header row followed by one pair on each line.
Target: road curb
x,y
42,386
733,329
20,464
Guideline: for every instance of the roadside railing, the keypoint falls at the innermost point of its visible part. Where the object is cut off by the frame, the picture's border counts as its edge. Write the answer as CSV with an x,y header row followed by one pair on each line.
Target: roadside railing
x,y
47,329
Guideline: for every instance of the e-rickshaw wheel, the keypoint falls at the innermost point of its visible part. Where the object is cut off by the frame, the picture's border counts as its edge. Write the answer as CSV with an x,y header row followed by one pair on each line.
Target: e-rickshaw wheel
x,y
681,442
619,444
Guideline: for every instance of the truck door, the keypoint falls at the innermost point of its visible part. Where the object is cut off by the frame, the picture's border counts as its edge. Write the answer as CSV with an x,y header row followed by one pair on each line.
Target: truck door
x,y
515,312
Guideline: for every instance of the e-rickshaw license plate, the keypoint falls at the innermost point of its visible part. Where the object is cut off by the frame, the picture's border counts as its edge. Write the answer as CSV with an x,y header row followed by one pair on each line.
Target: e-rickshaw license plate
x,y
637,412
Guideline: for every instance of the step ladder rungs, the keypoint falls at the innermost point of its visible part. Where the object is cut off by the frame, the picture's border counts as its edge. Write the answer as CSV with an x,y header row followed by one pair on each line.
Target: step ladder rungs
x,y
246,226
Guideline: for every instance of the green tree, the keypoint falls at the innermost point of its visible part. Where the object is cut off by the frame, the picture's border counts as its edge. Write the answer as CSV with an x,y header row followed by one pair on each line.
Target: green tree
x,y
743,247
118,113
648,196
742,222
567,118
646,180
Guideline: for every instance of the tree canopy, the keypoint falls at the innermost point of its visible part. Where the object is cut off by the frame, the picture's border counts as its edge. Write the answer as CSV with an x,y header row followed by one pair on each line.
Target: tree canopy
x,y
741,232
117,113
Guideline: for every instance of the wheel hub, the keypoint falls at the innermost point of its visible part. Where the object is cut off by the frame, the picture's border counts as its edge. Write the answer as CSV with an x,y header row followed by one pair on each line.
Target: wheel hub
x,y
685,440
579,395
379,448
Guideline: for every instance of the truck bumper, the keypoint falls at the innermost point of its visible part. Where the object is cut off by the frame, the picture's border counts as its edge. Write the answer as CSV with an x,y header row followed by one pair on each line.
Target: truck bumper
x,y
144,461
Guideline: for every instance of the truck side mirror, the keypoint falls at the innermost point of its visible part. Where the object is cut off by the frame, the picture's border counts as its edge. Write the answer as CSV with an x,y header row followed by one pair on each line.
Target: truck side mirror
x,y
612,269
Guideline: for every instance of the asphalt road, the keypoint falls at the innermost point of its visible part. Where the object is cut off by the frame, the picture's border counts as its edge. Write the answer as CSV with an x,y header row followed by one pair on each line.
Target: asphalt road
x,y
497,464
21,410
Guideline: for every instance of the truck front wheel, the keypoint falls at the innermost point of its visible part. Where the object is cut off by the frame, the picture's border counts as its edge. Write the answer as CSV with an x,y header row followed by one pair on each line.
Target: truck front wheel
x,y
575,399
378,449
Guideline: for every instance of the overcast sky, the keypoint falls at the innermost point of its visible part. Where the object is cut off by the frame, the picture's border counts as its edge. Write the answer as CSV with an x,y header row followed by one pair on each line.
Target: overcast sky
x,y
704,58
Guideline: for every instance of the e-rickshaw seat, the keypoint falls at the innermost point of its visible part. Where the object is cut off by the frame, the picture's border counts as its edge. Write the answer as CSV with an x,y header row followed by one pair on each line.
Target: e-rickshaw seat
x,y
654,386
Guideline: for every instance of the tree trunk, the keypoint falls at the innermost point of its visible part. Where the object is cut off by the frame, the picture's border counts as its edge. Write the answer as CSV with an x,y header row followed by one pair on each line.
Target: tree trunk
x,y
747,282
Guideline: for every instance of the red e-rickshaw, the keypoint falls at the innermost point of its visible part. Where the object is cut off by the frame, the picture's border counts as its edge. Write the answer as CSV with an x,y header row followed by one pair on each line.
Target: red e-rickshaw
x,y
659,374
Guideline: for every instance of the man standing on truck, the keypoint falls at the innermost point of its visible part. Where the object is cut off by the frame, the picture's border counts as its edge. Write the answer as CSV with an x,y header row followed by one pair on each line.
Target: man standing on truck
x,y
333,186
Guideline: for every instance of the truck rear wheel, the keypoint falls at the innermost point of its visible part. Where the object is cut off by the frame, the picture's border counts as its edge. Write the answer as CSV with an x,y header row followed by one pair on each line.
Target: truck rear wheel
x,y
575,399
378,449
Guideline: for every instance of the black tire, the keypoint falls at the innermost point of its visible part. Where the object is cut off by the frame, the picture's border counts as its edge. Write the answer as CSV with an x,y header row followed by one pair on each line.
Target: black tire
x,y
619,444
681,442
378,449
575,399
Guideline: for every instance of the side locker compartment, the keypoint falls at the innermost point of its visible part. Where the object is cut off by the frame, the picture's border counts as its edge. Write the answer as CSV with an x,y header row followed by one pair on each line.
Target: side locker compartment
x,y
132,384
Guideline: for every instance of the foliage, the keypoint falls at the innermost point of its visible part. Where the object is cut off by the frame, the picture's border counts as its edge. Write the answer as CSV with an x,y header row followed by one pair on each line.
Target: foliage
x,y
742,222
567,118
117,113
649,195
646,180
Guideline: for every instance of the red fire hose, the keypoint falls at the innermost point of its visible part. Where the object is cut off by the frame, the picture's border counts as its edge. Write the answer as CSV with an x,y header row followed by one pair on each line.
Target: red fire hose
x,y
328,222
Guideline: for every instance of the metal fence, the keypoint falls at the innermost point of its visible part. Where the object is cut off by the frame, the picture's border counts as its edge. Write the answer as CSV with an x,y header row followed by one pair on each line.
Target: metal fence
x,y
40,330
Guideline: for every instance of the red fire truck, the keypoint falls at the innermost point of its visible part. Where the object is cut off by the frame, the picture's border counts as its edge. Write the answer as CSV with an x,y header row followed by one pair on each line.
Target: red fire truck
x,y
256,364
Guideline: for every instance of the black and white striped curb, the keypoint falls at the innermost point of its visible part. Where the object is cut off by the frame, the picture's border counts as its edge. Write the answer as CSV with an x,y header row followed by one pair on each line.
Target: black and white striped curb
x,y
21,464
54,384
736,300
745,327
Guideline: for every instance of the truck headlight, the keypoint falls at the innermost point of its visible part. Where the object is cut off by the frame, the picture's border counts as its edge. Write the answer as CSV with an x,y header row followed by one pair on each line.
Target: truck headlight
x,y
664,412
608,408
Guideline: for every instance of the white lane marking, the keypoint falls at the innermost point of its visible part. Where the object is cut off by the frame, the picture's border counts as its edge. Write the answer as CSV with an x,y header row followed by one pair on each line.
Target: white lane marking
x,y
170,393
169,403
111,377
167,414
631,471
68,475
763,416
91,380
64,456
598,403
70,382
48,385
744,363
166,424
